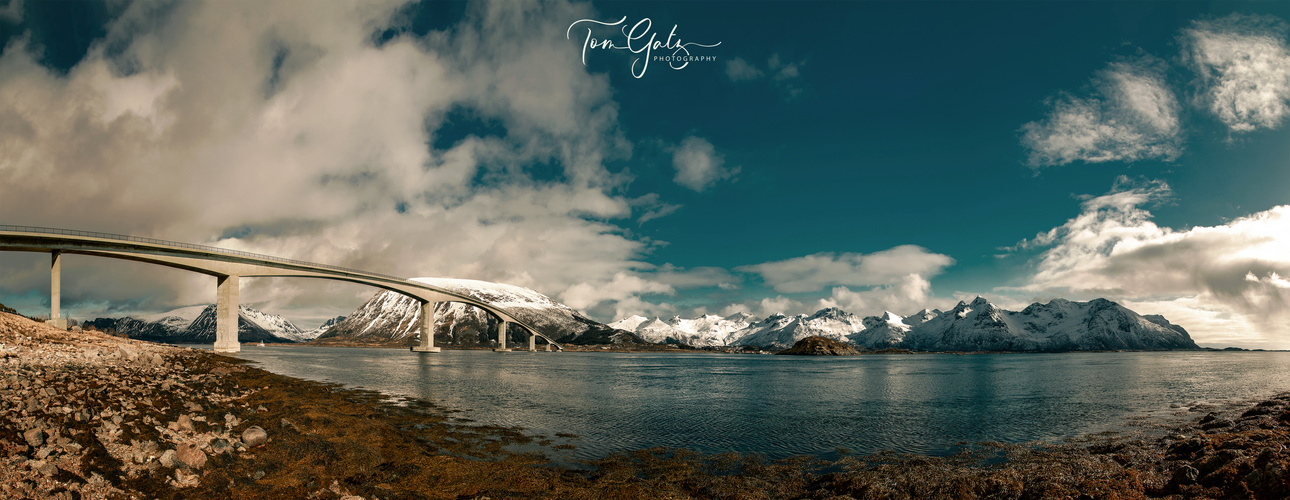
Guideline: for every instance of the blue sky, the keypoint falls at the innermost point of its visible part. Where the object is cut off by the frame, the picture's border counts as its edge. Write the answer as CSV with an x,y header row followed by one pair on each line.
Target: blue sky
x,y
865,155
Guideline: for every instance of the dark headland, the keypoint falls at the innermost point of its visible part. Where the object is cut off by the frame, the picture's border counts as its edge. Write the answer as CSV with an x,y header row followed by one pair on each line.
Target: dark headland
x,y
84,415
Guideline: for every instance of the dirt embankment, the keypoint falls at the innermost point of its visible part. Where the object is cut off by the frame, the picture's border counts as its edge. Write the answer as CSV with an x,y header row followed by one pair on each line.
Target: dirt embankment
x,y
83,415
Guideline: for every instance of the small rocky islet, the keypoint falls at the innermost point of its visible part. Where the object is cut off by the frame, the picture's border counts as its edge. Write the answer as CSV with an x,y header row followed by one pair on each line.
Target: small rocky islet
x,y
819,346
84,415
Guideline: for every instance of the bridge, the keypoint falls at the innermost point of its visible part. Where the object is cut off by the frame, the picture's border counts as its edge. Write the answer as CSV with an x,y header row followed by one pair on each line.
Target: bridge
x,y
228,266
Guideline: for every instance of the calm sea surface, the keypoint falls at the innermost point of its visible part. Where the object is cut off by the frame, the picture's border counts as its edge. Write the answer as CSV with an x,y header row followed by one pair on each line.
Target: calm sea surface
x,y
789,405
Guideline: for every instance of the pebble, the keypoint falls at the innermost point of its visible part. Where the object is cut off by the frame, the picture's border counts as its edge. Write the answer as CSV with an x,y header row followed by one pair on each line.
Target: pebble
x,y
254,436
34,437
190,456
168,459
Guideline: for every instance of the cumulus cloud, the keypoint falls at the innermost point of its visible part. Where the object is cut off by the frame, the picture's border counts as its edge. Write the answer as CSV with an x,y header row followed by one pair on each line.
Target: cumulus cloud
x,y
1243,69
251,126
1114,249
1132,115
909,294
819,271
698,165
623,292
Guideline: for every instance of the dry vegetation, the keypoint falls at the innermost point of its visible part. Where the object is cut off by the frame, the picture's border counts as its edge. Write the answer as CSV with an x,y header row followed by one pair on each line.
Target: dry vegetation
x,y
124,419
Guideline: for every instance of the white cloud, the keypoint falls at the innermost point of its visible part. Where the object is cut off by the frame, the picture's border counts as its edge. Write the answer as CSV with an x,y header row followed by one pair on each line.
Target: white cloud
x,y
1132,116
738,70
909,294
1243,68
1233,272
777,305
323,156
623,291
816,272
698,165
785,75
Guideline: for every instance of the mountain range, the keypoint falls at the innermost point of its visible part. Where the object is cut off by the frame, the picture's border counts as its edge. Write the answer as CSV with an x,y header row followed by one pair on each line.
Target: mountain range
x,y
196,325
392,319
1059,325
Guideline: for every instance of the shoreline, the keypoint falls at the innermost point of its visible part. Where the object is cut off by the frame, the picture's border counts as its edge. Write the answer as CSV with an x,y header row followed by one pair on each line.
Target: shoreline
x,y
129,419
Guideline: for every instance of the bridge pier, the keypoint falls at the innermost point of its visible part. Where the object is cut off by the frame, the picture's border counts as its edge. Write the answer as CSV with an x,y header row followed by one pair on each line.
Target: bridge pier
x,y
532,342
427,329
226,302
501,337
56,292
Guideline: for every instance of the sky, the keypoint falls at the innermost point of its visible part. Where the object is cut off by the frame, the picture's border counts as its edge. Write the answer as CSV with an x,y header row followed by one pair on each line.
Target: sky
x,y
789,156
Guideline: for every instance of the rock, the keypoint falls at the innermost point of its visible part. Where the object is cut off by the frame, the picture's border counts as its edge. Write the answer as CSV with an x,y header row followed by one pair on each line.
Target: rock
x,y
185,423
1187,448
1186,475
34,437
1216,424
231,421
168,459
820,346
220,445
287,424
46,468
254,436
190,456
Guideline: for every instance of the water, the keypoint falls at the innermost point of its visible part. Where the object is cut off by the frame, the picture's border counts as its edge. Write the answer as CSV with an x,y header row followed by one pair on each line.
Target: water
x,y
782,406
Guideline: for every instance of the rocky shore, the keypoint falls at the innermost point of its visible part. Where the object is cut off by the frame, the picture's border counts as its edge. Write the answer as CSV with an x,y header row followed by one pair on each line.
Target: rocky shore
x,y
84,416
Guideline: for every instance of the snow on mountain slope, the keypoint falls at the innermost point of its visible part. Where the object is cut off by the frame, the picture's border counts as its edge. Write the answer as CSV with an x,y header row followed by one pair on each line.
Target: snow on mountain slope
x,y
393,318
630,323
316,332
781,332
177,319
881,331
1060,325
707,330
252,326
277,326
196,324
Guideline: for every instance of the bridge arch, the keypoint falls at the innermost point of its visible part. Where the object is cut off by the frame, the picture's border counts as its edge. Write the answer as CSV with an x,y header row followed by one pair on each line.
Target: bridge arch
x,y
228,267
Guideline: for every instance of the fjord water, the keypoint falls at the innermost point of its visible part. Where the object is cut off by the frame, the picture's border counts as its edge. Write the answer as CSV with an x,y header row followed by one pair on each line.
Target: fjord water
x,y
782,406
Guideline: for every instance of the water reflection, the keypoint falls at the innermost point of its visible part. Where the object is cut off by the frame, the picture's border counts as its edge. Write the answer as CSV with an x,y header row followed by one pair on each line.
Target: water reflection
x,y
783,406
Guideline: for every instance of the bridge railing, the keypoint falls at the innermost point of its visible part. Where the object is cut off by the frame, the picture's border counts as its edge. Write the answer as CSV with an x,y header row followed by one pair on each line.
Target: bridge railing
x,y
188,246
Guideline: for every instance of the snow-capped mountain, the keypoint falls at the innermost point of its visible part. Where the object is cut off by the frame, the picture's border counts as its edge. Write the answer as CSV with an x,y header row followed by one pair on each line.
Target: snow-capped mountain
x,y
394,319
252,326
196,325
884,331
316,332
1059,325
781,332
707,330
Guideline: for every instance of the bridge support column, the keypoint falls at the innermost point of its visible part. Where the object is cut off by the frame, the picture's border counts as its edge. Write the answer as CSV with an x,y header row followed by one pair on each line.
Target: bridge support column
x,y
501,337
56,292
226,302
427,329
532,342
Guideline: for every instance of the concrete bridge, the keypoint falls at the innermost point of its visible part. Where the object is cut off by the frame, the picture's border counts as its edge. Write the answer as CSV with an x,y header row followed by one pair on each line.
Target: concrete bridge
x,y
228,266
